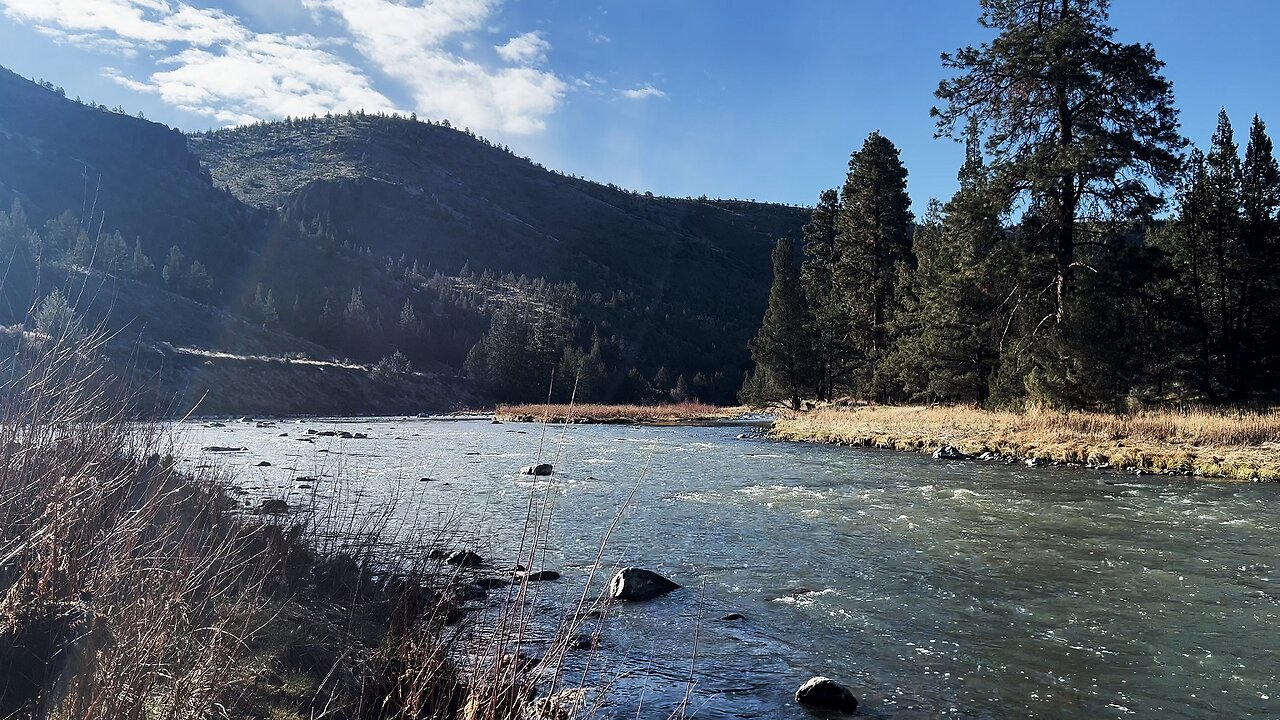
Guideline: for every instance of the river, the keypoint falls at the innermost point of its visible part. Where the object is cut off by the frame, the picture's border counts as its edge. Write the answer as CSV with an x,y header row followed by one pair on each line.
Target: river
x,y
934,589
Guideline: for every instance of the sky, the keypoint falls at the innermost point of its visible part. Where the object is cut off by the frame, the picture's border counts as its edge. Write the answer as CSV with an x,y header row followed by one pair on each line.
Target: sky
x,y
726,98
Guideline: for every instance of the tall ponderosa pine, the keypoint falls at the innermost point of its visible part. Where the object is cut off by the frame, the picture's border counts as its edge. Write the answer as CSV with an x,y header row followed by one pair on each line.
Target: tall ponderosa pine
x,y
782,347
1080,127
873,236
830,355
958,301
1222,250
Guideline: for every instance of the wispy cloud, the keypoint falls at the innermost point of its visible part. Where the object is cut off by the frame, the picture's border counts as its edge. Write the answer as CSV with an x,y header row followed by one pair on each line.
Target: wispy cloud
x,y
212,63
528,49
642,93
407,42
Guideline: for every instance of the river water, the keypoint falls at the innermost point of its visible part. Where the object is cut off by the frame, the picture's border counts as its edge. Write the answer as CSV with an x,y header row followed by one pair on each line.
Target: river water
x,y
934,589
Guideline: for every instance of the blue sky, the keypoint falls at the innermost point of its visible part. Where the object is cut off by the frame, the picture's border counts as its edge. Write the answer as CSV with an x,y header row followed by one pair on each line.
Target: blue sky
x,y
728,98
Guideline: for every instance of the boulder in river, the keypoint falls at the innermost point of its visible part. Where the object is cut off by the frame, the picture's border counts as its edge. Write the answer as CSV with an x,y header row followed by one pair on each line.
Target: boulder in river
x,y
949,452
264,463
635,584
221,448
825,694
539,469
273,506
541,576
464,558
733,616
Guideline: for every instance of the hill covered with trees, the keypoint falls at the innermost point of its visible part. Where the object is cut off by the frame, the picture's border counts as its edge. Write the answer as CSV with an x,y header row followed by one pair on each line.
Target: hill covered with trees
x,y
384,240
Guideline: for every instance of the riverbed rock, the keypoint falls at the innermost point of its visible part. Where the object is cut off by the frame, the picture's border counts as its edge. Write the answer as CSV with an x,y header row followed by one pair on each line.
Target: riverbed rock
x,y
264,463
539,469
221,449
733,616
949,452
638,584
825,694
541,576
464,558
273,506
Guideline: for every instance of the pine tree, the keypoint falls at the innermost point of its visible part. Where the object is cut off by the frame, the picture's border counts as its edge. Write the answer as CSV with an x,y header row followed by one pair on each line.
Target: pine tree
x,y
1261,294
873,236
782,345
826,331
1080,127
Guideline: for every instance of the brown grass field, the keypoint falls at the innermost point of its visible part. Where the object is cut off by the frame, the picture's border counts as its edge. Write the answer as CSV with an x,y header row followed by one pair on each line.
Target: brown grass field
x,y
1234,445
680,414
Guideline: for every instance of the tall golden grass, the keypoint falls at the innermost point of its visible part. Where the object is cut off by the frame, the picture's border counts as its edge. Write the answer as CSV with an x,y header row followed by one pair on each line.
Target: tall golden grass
x,y
1232,444
131,590
685,412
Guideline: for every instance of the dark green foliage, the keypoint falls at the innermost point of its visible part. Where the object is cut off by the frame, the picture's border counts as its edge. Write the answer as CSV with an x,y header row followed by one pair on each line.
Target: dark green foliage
x,y
783,345
830,351
1081,126
873,237
1221,286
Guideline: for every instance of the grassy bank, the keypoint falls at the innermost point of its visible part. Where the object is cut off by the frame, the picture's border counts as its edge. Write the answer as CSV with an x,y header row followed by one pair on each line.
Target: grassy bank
x,y
1231,445
132,590
679,414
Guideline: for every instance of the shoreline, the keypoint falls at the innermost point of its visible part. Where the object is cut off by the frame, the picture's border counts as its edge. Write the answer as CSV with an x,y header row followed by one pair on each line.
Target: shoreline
x,y
681,414
1239,447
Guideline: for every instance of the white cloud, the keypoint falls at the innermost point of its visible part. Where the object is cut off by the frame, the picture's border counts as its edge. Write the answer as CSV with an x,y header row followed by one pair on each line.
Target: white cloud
x,y
525,49
643,92
145,22
599,38
264,76
211,63
407,42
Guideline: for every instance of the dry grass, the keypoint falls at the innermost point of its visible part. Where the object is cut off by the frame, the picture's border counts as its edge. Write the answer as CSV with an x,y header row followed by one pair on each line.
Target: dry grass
x,y
129,590
1236,445
688,413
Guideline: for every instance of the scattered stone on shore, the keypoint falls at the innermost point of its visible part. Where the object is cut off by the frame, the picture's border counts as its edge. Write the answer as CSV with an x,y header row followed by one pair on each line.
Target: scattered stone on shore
x,y
825,694
464,558
539,469
221,448
638,584
541,576
949,452
733,616
273,506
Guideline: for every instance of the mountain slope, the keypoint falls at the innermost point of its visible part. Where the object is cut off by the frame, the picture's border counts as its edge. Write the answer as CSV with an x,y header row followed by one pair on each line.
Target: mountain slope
x,y
402,187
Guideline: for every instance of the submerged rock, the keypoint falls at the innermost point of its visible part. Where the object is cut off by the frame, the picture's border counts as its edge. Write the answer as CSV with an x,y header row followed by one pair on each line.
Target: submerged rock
x,y
733,616
273,506
638,584
823,693
221,448
464,558
541,576
539,469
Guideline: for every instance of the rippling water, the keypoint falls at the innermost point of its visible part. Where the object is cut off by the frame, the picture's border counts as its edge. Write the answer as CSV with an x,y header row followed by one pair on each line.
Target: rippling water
x,y
934,589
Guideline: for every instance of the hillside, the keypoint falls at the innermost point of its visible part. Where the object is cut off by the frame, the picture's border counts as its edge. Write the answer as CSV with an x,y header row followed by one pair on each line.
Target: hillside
x,y
400,186
360,236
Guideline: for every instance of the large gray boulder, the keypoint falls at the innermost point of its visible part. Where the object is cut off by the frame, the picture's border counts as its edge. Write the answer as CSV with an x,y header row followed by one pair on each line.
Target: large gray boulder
x,y
639,584
827,695
539,469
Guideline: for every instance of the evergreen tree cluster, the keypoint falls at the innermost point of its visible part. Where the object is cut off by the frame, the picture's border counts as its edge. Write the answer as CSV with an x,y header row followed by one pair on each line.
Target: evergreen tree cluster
x,y
1047,278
